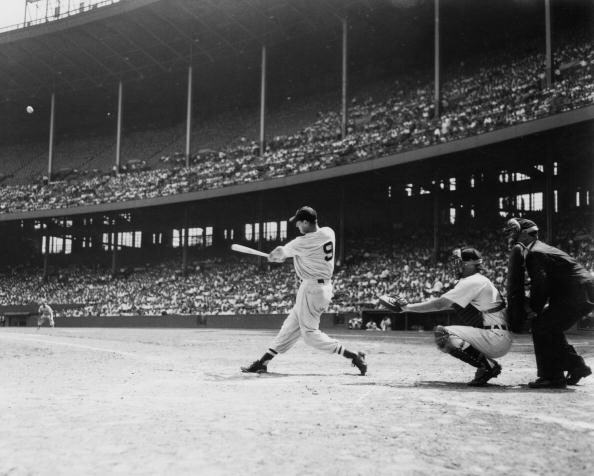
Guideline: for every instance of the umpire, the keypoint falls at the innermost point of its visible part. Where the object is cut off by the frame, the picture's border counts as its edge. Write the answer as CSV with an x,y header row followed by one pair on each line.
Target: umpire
x,y
561,292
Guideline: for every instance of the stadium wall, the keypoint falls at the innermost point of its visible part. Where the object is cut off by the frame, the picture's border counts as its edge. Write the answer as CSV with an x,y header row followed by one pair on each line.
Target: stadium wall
x,y
329,321
243,321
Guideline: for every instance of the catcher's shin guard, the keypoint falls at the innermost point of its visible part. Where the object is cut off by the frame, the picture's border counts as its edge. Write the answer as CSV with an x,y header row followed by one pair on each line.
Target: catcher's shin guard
x,y
470,355
484,374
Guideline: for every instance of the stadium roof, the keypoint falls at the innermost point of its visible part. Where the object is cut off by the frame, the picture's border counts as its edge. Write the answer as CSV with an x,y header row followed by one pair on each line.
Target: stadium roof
x,y
134,40
137,39
149,44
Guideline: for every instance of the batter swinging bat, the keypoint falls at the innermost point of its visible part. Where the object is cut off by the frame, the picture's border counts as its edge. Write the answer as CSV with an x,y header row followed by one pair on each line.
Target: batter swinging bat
x,y
248,250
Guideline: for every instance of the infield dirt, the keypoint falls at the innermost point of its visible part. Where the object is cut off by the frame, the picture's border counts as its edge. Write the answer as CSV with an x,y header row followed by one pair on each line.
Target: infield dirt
x,y
162,401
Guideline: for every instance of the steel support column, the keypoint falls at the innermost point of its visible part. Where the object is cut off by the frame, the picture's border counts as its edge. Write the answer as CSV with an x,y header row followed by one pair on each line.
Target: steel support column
x,y
263,103
189,116
50,155
344,118
341,240
437,65
436,214
184,237
548,53
119,126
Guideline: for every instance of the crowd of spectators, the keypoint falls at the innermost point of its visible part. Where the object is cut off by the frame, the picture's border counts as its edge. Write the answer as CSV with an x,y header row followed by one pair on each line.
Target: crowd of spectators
x,y
402,265
494,93
212,286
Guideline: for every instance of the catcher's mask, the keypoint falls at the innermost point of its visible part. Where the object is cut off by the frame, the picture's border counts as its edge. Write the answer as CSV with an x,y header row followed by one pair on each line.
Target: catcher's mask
x,y
466,261
514,227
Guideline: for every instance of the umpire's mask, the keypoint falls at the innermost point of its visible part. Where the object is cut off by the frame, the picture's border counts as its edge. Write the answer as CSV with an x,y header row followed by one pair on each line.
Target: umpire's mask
x,y
519,229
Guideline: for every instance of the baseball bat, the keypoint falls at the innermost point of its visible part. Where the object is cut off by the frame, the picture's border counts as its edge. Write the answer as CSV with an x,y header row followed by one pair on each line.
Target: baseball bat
x,y
248,250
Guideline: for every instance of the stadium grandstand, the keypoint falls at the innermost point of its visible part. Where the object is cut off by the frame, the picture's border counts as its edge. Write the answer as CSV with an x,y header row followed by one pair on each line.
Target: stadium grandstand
x,y
159,132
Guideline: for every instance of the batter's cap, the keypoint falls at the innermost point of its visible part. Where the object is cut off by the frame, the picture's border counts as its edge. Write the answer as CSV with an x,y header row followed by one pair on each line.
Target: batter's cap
x,y
305,213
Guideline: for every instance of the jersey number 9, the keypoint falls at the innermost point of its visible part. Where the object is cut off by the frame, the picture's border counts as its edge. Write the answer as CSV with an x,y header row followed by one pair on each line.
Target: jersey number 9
x,y
328,250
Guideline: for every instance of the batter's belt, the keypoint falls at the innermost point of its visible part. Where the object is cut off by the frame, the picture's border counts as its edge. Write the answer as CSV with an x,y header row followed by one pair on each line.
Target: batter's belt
x,y
317,281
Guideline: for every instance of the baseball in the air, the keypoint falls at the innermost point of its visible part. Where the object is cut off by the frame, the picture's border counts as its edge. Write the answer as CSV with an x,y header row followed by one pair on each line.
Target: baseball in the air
x,y
29,109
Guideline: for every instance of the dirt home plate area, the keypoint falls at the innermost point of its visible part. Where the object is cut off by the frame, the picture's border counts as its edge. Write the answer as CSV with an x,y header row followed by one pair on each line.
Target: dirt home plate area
x,y
161,401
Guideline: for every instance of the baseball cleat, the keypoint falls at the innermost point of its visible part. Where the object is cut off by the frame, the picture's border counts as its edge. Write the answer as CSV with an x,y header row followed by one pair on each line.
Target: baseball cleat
x,y
548,383
483,375
359,362
255,367
574,376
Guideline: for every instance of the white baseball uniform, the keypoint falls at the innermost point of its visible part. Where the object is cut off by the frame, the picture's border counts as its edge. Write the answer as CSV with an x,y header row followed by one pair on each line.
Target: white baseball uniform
x,y
479,291
313,258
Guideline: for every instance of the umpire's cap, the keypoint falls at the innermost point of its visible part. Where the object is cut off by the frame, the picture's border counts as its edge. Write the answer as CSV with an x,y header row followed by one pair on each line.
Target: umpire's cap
x,y
305,213
520,224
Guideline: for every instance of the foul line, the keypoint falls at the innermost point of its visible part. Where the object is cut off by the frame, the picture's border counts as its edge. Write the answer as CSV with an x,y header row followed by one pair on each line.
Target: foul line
x,y
22,338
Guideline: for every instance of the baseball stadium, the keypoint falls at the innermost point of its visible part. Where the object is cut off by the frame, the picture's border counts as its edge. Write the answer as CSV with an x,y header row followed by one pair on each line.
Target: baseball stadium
x,y
376,161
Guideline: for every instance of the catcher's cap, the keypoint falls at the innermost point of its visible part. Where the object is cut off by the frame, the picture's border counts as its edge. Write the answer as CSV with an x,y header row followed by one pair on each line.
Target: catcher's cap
x,y
305,213
520,224
470,255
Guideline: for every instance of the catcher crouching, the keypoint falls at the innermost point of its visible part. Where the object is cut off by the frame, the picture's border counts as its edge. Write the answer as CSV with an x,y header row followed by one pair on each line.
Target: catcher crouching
x,y
480,305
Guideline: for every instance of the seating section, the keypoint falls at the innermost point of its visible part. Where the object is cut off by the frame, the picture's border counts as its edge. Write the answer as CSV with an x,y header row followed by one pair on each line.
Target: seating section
x,y
493,93
226,284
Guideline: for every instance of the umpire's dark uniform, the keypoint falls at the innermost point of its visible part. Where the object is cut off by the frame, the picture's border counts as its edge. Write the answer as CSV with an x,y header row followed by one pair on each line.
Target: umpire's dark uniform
x,y
569,288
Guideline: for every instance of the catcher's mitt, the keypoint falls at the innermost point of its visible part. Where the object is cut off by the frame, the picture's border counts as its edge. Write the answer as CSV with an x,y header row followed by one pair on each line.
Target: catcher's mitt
x,y
392,303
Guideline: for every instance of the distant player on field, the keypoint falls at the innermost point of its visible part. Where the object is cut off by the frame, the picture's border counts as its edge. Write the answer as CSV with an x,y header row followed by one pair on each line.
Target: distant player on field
x,y
45,313
313,258
481,305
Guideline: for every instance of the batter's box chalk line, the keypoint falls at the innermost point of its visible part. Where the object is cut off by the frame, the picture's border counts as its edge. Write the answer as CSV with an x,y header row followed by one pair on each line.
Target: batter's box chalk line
x,y
242,376
380,384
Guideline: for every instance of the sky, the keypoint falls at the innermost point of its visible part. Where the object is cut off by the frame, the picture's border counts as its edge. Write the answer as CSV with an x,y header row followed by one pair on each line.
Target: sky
x,y
12,12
